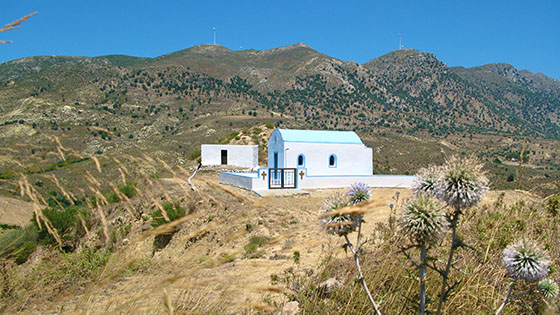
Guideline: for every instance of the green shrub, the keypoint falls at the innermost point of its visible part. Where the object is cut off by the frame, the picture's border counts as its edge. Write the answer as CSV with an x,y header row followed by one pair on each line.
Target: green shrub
x,y
254,243
128,190
89,260
56,199
25,251
9,226
66,222
553,204
13,241
113,197
511,177
173,211
195,154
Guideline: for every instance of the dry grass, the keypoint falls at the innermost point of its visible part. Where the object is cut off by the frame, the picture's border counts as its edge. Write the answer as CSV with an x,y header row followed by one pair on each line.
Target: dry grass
x,y
194,275
13,25
149,195
482,280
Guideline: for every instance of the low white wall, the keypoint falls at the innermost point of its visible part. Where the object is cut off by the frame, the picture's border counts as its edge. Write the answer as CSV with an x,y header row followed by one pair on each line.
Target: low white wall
x,y
388,181
255,181
237,155
236,180
259,183
250,181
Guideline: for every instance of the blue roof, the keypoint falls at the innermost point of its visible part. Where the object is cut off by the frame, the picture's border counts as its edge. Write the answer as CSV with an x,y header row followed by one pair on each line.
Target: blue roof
x,y
320,136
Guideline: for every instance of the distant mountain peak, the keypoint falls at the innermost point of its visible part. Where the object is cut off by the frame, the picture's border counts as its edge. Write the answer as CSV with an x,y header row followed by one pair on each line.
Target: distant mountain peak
x,y
285,48
209,48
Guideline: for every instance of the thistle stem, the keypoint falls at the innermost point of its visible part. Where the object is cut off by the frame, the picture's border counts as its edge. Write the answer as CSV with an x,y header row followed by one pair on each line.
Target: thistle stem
x,y
357,261
423,254
358,237
449,260
506,299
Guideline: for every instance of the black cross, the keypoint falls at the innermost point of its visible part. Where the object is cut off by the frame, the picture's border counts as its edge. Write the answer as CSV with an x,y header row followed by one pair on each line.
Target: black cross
x,y
301,173
263,174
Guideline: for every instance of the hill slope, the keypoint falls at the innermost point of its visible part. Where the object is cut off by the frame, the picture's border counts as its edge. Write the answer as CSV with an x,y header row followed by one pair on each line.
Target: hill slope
x,y
171,104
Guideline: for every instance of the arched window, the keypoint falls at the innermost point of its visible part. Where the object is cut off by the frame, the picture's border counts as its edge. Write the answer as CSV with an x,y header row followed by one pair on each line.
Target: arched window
x,y
332,160
301,160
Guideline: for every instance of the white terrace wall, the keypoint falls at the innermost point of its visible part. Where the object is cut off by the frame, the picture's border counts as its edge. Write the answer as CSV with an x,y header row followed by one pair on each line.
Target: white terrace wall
x,y
246,156
257,182
387,181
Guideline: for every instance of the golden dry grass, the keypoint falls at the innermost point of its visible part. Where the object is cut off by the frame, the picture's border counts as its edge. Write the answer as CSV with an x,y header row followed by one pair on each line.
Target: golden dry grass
x,y
204,269
14,25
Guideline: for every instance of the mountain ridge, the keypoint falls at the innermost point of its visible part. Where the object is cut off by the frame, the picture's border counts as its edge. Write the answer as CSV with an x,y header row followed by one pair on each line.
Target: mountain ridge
x,y
413,85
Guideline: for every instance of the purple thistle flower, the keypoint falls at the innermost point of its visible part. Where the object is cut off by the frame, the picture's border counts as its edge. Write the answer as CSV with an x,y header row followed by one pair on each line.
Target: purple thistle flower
x,y
358,192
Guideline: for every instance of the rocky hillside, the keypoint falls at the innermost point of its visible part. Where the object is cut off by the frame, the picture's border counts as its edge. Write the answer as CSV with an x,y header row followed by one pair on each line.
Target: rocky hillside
x,y
405,90
167,106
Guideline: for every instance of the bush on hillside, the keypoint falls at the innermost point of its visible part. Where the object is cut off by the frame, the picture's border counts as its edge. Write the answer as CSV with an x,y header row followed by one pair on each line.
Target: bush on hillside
x,y
173,211
128,190
67,224
19,243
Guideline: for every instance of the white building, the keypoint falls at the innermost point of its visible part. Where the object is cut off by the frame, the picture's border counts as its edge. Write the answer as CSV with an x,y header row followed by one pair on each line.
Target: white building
x,y
320,152
246,156
307,159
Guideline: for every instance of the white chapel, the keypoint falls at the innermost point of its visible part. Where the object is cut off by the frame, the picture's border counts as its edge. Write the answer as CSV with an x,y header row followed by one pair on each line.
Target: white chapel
x,y
320,152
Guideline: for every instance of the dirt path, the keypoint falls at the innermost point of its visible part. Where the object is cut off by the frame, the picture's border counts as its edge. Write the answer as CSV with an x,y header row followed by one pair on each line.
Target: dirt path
x,y
15,212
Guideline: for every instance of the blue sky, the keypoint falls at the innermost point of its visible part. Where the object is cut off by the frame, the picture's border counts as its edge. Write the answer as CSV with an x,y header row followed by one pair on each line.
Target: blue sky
x,y
460,33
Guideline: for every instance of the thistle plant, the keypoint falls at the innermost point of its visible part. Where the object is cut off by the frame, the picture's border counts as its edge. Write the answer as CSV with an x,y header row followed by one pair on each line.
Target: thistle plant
x,y
392,207
426,180
525,260
548,288
358,192
423,222
338,216
337,222
460,183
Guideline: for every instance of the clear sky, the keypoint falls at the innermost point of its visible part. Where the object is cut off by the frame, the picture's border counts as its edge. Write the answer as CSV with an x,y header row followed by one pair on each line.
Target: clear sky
x,y
466,33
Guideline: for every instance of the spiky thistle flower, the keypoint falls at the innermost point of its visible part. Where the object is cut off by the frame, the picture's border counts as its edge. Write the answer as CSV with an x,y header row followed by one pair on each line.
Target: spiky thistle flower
x,y
423,220
339,223
358,192
462,182
525,260
426,180
548,288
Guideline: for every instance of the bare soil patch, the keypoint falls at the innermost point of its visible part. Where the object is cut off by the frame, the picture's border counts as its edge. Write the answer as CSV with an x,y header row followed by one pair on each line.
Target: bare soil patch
x,y
15,212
